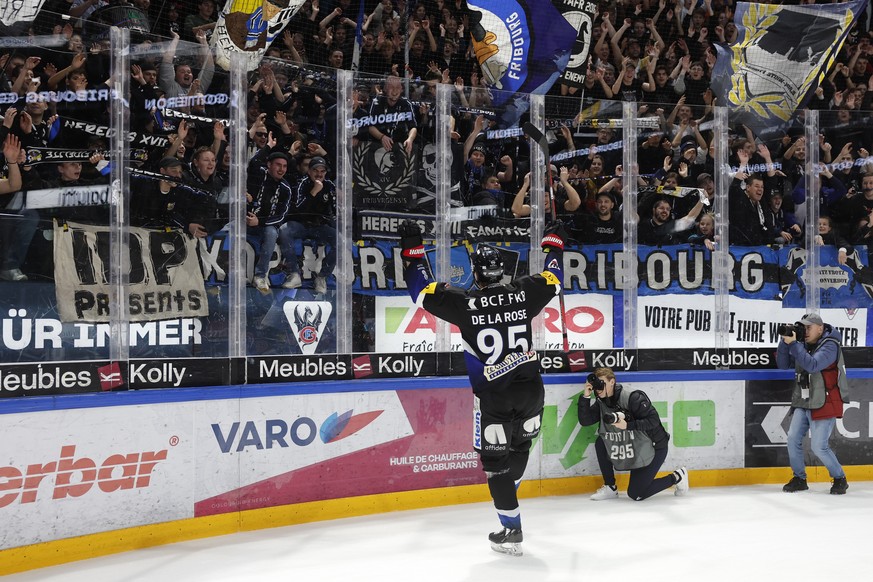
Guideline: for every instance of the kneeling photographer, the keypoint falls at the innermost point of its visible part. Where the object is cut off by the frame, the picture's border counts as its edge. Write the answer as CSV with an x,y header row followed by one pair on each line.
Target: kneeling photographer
x,y
813,349
630,438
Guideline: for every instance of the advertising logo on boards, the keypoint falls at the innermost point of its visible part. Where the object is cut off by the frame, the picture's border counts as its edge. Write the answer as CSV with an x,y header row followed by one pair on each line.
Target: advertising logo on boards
x,y
41,331
277,432
299,368
577,361
307,320
40,379
616,359
706,359
179,373
734,358
403,327
395,365
73,477
339,426
110,376
768,415
362,366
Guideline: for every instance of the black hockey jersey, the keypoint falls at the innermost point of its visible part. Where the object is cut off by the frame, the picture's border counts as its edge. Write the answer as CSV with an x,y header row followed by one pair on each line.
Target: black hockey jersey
x,y
495,322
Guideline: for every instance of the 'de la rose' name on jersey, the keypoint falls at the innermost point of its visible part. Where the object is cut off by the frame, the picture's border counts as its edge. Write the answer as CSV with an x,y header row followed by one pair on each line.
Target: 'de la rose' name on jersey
x,y
495,322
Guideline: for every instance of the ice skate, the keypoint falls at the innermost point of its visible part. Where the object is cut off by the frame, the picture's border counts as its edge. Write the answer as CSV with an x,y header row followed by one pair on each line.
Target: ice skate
x,y
507,541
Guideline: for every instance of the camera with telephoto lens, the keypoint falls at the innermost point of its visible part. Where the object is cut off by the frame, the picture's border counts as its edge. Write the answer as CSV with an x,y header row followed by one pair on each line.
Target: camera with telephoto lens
x,y
796,328
596,383
612,417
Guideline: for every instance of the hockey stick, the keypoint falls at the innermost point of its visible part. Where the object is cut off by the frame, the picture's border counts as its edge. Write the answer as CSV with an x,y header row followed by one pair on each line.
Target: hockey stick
x,y
535,134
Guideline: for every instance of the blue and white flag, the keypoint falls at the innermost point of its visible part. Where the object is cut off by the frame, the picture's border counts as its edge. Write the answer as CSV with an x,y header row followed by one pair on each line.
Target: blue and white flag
x,y
522,46
780,56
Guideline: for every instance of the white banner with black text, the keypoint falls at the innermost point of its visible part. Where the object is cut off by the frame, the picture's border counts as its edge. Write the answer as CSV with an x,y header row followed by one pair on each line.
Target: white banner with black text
x,y
165,277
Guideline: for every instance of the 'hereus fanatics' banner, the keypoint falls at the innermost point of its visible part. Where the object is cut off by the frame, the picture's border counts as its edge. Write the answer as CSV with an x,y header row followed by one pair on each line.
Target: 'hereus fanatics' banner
x,y
249,27
779,58
522,45
165,281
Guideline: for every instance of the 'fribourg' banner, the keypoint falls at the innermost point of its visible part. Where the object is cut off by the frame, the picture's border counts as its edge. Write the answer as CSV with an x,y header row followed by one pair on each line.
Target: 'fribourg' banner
x,y
755,272
165,277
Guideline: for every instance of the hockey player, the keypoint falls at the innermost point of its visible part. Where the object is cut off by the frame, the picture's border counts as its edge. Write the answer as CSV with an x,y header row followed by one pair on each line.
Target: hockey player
x,y
494,319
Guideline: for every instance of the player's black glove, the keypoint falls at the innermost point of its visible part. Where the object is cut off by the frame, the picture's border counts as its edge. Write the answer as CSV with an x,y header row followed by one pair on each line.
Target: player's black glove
x,y
554,236
410,240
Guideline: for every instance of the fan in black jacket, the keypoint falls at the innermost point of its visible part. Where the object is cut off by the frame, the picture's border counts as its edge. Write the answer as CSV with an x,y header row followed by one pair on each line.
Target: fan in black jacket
x,y
748,225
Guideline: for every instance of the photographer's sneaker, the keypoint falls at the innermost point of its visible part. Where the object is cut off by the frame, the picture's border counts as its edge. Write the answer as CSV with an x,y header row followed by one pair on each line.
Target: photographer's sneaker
x,y
507,541
292,281
796,484
839,487
682,484
605,492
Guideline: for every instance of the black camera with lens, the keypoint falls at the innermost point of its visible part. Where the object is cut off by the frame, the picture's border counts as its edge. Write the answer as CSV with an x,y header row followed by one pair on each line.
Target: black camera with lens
x,y
612,417
796,328
595,382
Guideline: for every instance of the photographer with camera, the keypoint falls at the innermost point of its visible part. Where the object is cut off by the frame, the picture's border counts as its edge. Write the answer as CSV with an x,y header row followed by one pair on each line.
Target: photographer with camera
x,y
816,401
494,317
630,438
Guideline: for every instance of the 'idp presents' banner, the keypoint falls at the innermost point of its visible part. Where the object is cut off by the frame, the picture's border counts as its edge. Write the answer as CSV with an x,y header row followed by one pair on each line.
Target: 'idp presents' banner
x,y
165,278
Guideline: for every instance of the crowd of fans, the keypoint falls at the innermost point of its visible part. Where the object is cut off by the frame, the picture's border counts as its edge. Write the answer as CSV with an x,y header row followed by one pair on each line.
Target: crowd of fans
x,y
658,54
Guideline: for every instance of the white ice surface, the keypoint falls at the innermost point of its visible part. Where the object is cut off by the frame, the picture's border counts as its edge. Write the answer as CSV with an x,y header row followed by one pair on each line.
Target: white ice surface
x,y
740,534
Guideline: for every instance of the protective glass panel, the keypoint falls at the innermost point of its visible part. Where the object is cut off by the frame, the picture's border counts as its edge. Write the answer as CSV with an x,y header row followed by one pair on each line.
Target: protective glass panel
x,y
291,206
54,193
585,149
177,160
499,196
394,165
676,230
842,234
